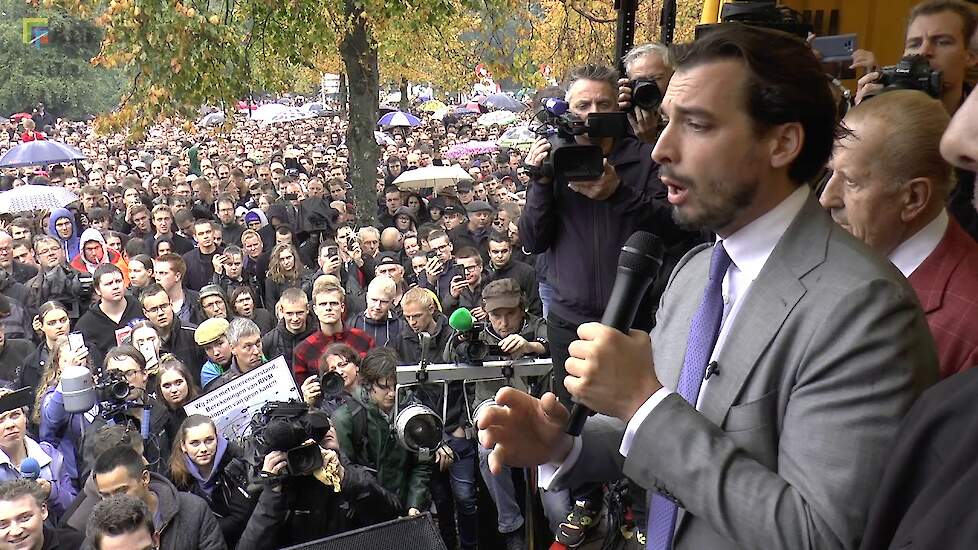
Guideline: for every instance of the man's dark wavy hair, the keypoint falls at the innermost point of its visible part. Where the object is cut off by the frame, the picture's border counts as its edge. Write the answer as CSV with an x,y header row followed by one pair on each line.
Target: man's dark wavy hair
x,y
785,83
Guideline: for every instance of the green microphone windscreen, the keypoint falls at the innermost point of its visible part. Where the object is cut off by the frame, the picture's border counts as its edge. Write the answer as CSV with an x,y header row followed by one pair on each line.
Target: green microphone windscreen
x,y
461,320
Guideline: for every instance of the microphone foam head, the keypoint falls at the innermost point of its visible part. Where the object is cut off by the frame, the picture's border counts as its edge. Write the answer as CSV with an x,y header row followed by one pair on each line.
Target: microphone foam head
x,y
461,320
30,468
642,252
556,106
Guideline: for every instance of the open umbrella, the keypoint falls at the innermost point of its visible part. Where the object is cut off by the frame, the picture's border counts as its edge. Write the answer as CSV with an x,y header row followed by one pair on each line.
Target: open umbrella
x,y
470,148
35,197
503,102
432,106
211,119
496,117
518,137
272,113
399,119
20,116
33,153
435,177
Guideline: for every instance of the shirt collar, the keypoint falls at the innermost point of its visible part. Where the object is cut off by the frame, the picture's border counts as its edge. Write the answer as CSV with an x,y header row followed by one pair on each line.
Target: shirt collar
x,y
751,246
33,450
909,254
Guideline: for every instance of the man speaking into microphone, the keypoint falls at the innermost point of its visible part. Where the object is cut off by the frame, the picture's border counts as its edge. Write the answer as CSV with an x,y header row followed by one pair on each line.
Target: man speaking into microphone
x,y
760,413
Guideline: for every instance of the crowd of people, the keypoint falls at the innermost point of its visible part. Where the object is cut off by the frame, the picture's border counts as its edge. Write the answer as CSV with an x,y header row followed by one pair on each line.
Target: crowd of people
x,y
193,258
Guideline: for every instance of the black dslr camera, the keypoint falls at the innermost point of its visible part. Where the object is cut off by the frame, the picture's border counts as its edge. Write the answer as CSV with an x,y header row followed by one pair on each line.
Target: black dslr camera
x,y
568,159
913,72
287,426
331,384
645,94
113,387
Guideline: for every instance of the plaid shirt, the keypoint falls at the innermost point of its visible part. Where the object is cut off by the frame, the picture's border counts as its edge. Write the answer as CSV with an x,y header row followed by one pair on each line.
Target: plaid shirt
x,y
305,361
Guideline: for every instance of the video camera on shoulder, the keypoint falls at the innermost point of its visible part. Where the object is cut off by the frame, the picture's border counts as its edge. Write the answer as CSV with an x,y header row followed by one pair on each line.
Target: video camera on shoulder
x,y
913,72
287,426
569,160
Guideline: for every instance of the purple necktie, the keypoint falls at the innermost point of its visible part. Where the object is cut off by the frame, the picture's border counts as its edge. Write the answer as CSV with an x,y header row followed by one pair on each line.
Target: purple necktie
x,y
703,334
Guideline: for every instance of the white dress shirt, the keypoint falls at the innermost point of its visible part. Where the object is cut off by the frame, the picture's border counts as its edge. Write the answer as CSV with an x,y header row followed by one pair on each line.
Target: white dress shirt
x,y
749,249
909,254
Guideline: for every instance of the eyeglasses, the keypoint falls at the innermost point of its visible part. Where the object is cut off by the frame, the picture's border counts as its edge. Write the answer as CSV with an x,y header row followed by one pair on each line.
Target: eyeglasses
x,y
158,309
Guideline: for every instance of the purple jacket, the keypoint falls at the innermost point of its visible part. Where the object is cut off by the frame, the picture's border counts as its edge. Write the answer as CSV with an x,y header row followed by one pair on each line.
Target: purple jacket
x,y
62,429
52,469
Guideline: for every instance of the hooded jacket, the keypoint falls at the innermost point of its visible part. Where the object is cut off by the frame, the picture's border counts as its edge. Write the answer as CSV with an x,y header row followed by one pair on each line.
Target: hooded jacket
x,y
385,333
109,256
225,489
186,521
71,245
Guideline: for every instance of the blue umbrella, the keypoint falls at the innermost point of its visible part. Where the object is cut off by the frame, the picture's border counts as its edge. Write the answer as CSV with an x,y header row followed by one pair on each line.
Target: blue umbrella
x,y
399,118
503,102
33,153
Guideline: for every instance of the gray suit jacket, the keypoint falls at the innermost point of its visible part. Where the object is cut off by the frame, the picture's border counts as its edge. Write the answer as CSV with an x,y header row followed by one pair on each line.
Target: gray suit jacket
x,y
828,352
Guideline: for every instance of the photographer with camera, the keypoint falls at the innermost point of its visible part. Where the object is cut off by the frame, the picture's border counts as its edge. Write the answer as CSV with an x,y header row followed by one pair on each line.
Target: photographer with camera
x,y
512,332
312,490
364,429
184,519
579,227
648,69
123,398
337,381
57,281
938,32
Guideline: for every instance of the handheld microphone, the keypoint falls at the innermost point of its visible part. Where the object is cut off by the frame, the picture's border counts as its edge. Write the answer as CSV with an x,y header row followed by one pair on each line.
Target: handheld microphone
x,y
144,426
638,265
30,469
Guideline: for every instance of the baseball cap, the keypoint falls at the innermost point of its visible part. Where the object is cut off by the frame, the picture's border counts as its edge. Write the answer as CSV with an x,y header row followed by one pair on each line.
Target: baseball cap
x,y
210,330
387,258
501,293
451,209
277,166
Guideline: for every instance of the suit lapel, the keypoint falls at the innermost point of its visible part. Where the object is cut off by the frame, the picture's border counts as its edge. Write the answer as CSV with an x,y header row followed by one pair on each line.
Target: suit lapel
x,y
768,302
930,279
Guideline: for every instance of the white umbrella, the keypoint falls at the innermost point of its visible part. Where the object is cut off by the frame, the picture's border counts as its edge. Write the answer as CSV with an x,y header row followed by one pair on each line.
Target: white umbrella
x,y
212,119
496,117
35,197
285,114
435,177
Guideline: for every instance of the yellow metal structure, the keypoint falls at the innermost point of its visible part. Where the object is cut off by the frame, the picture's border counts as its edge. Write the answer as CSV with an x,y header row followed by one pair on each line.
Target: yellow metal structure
x,y
879,24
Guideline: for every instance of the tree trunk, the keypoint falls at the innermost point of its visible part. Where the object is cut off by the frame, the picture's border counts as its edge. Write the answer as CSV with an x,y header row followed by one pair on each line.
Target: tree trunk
x,y
404,95
359,52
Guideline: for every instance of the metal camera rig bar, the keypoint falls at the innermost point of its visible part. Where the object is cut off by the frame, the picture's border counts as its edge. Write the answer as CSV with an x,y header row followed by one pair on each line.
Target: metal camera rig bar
x,y
516,370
